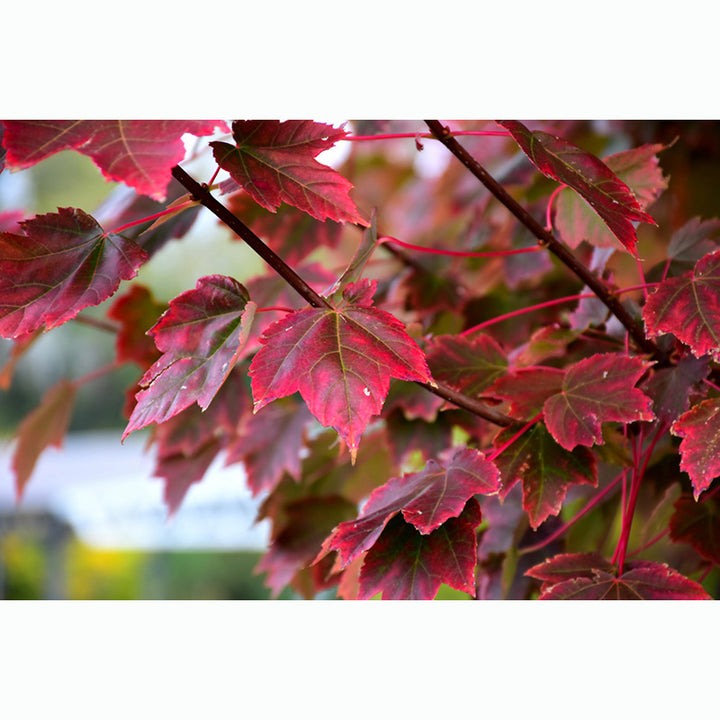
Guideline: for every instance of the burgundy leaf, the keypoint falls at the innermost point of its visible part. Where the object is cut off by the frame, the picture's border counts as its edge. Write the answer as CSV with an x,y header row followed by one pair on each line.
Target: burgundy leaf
x,y
426,499
139,153
341,360
595,390
45,425
569,565
698,524
699,429
64,262
559,159
201,337
527,389
405,564
687,307
275,162
546,470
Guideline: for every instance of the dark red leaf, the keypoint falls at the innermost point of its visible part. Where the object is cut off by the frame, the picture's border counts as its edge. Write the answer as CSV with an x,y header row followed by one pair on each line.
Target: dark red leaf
x,y
546,470
699,429
547,342
63,263
405,564
670,387
698,524
687,307
567,566
341,360
426,499
46,425
275,162
527,389
559,159
139,153
595,390
468,365
201,337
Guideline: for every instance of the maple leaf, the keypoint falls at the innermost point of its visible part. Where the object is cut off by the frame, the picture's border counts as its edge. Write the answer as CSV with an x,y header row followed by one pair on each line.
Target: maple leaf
x,y
609,197
201,336
670,387
341,360
136,311
697,524
547,471
687,307
63,263
46,425
547,342
426,500
596,390
468,365
699,429
527,389
275,162
638,168
588,576
139,153
405,564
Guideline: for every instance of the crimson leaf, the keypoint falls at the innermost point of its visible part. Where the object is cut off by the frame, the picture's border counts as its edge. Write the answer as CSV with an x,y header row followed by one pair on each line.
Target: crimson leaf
x,y
405,564
687,306
547,471
201,336
275,162
426,499
699,429
44,426
596,390
559,159
139,153
341,360
63,263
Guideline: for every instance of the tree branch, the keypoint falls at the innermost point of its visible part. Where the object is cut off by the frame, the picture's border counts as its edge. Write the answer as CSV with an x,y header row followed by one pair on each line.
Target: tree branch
x,y
546,238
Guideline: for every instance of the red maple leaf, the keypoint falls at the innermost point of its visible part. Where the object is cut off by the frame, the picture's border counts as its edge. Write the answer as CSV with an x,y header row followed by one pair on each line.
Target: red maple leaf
x,y
595,390
341,360
426,499
587,576
547,471
405,564
275,162
139,153
63,263
698,524
559,159
201,336
699,429
687,307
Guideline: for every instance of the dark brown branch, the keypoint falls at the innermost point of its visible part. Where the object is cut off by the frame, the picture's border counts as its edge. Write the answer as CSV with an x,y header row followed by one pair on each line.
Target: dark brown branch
x,y
546,238
203,196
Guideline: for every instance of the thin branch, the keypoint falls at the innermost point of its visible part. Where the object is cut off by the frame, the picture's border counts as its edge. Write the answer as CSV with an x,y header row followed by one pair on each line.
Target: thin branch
x,y
546,238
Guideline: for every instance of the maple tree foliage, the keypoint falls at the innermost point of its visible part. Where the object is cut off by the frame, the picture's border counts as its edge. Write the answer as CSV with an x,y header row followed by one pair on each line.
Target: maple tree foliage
x,y
500,378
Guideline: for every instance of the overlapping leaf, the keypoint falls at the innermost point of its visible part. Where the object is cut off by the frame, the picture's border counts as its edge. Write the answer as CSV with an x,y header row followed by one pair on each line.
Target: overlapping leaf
x,y
527,389
638,168
699,429
588,576
139,153
405,564
547,471
201,336
275,162
688,307
64,262
559,159
595,390
341,360
698,524
426,500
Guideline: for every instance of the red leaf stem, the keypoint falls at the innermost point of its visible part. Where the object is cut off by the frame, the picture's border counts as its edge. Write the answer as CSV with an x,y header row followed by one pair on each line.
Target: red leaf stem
x,y
458,253
520,432
157,215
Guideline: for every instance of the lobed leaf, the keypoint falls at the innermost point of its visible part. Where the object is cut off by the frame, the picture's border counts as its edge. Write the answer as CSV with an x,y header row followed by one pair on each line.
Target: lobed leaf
x,y
63,263
687,306
595,390
340,359
609,197
201,336
139,153
275,162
